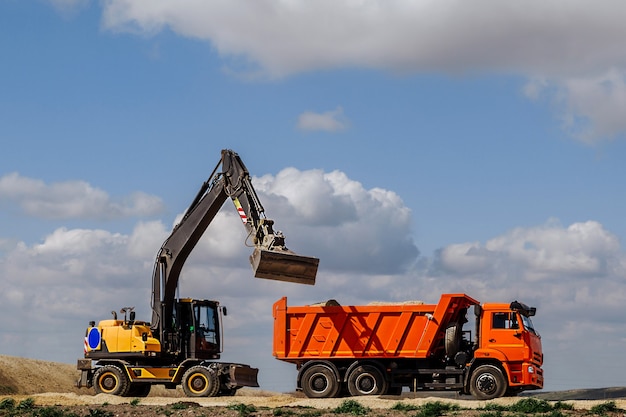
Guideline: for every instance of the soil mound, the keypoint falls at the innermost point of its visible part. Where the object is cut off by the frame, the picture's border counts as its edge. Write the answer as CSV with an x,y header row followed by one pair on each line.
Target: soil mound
x,y
22,376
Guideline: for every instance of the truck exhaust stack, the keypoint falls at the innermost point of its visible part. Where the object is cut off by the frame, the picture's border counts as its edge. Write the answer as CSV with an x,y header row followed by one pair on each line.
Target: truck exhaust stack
x,y
284,265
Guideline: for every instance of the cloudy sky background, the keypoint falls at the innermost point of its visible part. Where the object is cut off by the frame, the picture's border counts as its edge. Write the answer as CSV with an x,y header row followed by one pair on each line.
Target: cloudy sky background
x,y
414,147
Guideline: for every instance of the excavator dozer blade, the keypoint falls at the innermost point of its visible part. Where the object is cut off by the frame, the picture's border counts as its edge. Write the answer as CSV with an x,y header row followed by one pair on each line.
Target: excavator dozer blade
x,y
284,265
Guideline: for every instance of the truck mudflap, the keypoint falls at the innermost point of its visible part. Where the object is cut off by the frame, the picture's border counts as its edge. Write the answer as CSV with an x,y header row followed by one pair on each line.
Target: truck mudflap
x,y
243,375
284,265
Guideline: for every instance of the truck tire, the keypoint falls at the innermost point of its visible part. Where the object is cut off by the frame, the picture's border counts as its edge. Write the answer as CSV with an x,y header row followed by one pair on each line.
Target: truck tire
x,y
111,379
454,333
366,380
200,381
487,382
320,381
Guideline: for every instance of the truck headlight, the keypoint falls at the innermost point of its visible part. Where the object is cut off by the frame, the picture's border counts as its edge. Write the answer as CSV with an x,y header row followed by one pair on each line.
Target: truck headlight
x,y
531,369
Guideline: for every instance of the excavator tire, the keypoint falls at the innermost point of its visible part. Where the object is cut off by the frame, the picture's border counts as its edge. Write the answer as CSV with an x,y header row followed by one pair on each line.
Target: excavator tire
x,y
110,379
200,381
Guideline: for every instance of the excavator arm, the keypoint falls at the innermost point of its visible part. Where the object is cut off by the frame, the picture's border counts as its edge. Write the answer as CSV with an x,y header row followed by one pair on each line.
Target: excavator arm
x,y
270,260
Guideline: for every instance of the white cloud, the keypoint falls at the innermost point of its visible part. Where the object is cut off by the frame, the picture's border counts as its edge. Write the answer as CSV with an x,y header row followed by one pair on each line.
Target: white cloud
x,y
580,251
372,227
73,199
331,121
291,36
572,48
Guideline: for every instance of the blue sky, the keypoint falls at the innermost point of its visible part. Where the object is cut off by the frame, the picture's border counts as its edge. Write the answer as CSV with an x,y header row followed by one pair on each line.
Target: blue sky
x,y
415,148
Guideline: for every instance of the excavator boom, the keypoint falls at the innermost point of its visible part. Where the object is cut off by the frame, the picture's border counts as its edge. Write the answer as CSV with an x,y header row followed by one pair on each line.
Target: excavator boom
x,y
271,259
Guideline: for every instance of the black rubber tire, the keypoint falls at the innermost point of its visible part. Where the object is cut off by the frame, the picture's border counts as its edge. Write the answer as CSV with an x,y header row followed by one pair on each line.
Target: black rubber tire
x,y
139,389
320,381
200,381
487,382
111,379
366,380
454,334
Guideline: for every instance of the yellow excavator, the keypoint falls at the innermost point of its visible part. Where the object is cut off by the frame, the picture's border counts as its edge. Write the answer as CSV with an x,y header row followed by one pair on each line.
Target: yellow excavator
x,y
183,342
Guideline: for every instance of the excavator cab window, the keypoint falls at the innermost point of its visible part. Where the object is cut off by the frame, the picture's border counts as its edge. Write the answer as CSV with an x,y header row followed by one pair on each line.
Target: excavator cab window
x,y
207,323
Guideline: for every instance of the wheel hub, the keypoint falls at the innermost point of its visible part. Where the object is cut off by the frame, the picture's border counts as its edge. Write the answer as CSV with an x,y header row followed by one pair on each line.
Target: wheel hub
x,y
319,383
366,384
486,383
198,383
108,382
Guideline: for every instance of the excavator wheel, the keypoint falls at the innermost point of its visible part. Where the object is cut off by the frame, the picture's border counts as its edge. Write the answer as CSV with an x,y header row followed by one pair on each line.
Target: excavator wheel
x,y
110,379
200,381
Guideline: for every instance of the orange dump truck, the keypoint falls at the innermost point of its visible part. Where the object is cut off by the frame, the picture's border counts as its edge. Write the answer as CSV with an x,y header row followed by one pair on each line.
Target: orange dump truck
x,y
379,349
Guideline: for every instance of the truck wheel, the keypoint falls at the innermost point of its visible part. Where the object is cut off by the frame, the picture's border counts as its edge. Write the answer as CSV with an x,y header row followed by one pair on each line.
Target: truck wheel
x,y
110,379
200,381
319,381
487,382
366,380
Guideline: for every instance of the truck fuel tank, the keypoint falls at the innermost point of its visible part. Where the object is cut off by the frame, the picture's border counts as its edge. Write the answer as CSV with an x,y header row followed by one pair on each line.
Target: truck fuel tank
x,y
284,265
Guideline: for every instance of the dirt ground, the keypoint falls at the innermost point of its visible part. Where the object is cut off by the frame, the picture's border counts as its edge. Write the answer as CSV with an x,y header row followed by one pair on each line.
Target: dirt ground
x,y
45,388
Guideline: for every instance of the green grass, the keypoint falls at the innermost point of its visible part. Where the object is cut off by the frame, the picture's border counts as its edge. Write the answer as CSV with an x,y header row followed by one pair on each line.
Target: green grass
x,y
436,409
404,407
560,405
352,407
607,407
531,406
244,410
494,413
282,412
527,406
7,404
26,404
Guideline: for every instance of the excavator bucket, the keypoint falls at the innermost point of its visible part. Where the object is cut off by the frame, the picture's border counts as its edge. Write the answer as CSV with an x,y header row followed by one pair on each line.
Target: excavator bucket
x,y
284,265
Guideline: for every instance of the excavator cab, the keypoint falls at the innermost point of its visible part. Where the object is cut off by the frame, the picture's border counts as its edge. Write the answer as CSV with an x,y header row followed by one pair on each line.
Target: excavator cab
x,y
195,329
284,265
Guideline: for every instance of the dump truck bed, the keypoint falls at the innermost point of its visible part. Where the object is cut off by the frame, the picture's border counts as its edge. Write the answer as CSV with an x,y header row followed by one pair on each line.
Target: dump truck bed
x,y
373,331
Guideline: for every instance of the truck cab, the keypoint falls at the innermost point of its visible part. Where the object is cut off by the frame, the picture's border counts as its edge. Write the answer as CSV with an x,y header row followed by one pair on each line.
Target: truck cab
x,y
505,334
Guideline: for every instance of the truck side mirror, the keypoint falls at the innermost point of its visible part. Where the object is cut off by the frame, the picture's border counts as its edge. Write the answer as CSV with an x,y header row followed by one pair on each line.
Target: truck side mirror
x,y
224,311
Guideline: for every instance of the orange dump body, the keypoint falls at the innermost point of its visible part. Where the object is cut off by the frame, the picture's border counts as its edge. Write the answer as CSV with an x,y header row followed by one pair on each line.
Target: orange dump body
x,y
407,330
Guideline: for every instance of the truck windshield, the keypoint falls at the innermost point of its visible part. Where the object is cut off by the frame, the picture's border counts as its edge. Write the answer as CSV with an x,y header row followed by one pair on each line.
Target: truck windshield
x,y
528,325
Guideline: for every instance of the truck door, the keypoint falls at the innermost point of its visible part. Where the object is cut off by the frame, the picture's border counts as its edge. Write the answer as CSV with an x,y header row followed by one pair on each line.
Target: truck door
x,y
505,334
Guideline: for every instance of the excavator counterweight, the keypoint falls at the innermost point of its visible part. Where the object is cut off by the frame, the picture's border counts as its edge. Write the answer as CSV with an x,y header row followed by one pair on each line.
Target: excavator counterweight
x,y
284,265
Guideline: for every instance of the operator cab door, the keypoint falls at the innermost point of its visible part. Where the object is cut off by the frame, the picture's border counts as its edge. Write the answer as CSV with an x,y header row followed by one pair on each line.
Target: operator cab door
x,y
206,337
505,333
